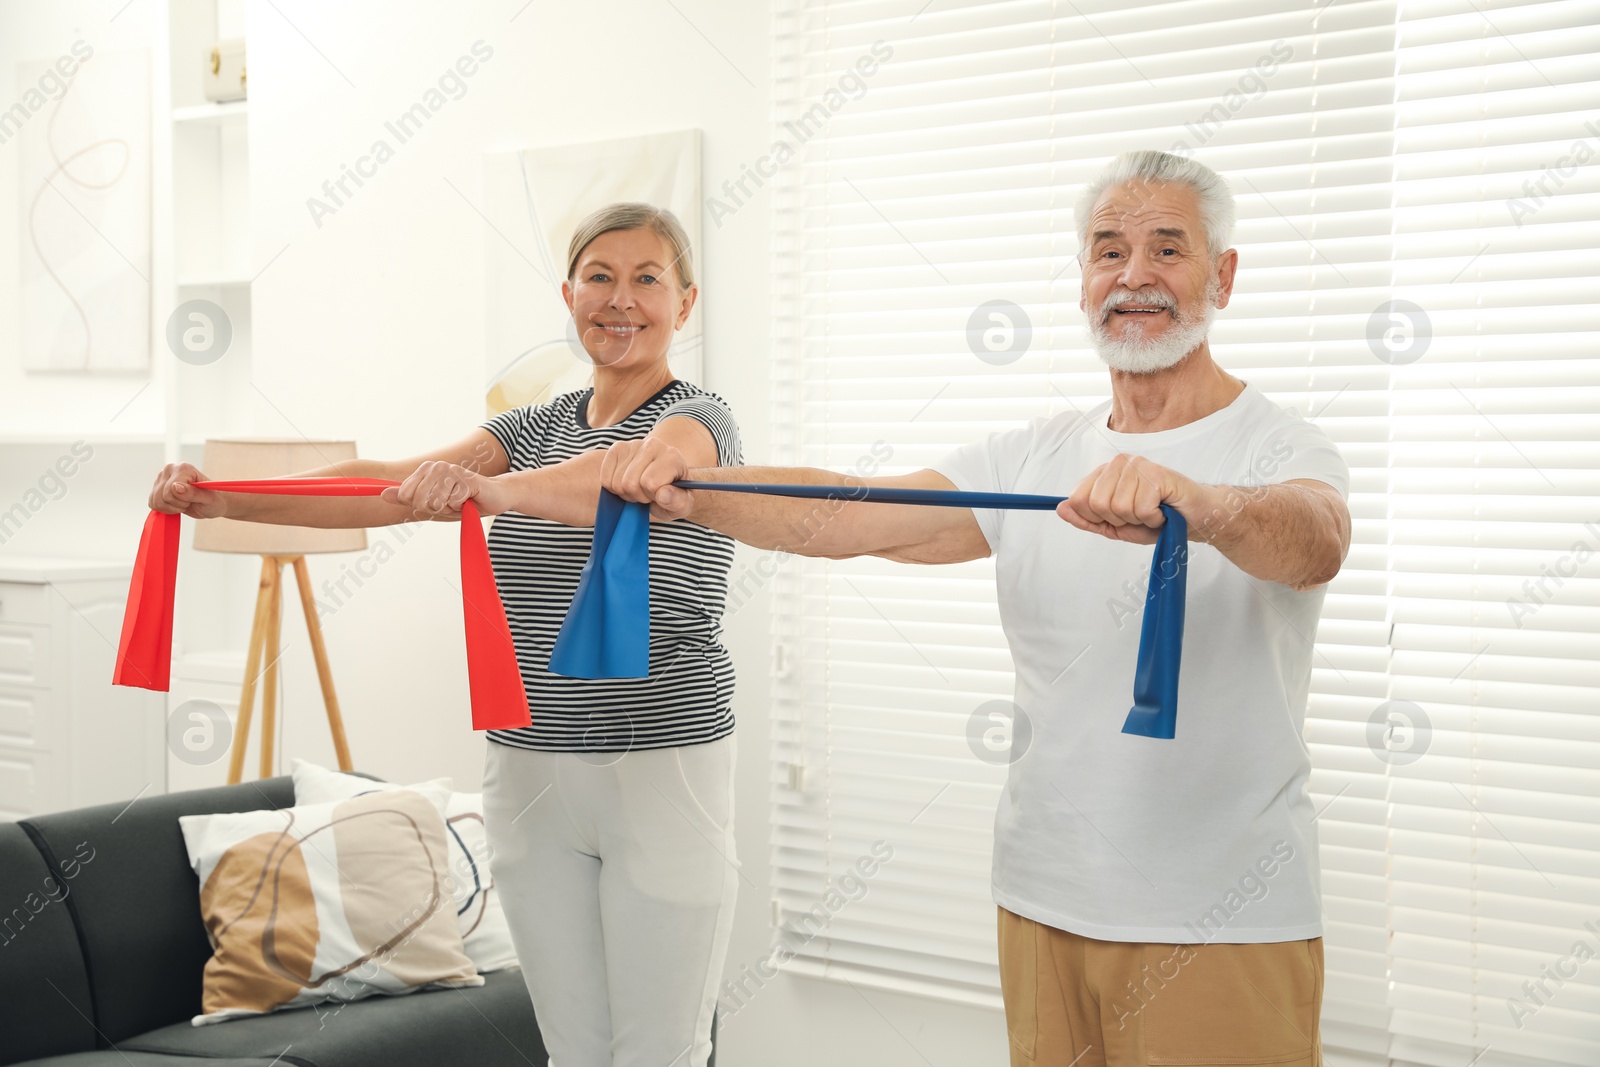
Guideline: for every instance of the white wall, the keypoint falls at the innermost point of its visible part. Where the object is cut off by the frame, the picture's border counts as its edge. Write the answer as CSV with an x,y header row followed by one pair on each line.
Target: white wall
x,y
68,515
100,404
371,326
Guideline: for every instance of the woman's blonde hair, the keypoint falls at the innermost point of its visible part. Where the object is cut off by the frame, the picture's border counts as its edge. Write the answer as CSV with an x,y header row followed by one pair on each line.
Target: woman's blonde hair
x,y
636,216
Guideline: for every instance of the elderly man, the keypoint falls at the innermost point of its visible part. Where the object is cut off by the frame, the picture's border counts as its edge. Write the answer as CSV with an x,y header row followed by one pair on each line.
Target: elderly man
x,y
1159,900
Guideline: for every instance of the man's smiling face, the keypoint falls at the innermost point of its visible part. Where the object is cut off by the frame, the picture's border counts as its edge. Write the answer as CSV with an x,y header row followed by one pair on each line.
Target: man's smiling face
x,y
1150,286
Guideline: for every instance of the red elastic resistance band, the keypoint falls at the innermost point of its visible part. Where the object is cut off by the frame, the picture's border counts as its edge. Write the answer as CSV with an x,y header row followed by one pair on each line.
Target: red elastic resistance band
x,y
144,656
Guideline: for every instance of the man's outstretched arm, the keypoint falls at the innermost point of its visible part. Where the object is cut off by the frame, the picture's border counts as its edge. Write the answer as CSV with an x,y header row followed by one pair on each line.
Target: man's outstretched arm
x,y
835,529
1295,532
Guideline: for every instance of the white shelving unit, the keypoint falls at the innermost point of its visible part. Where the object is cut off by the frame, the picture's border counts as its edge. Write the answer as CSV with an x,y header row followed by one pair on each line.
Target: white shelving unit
x,y
208,232
210,112
210,255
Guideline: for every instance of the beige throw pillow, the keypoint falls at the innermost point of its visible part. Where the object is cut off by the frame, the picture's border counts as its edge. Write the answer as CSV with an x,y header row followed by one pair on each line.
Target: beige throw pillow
x,y
325,902
484,932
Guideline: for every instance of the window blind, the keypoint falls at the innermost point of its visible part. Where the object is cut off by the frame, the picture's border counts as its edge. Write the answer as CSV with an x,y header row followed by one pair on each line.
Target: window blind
x,y
1495,460
1354,134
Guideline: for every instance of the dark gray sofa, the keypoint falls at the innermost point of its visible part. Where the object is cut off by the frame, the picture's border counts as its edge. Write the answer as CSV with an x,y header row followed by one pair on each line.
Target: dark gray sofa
x,y
101,961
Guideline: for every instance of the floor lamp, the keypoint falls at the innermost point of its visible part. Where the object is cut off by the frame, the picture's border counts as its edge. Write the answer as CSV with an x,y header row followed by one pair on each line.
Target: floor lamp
x,y
278,546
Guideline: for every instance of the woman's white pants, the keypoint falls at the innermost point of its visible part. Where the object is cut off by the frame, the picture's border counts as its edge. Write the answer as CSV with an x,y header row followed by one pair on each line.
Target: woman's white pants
x,y
618,877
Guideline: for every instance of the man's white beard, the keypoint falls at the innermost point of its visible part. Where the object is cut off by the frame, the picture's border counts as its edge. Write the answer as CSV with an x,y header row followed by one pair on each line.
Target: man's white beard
x,y
1135,354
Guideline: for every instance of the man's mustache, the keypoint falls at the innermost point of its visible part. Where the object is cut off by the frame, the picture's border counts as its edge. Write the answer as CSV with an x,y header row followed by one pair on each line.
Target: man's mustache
x,y
1119,298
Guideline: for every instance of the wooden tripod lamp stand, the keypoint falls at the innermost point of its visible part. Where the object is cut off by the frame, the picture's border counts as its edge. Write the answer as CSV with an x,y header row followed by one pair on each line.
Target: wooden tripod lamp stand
x,y
278,546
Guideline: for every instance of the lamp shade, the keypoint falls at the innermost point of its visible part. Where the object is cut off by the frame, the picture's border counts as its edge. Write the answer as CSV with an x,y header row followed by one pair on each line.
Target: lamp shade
x,y
236,458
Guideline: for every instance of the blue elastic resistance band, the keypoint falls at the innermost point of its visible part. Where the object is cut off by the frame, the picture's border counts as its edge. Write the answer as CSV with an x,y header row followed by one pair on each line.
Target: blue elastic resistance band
x,y
607,630
606,633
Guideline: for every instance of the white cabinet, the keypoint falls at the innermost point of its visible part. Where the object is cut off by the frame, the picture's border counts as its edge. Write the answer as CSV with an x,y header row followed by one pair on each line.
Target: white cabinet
x,y
68,737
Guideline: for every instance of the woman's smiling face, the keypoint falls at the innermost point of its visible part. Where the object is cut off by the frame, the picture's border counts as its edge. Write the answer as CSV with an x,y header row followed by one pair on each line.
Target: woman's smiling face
x,y
625,298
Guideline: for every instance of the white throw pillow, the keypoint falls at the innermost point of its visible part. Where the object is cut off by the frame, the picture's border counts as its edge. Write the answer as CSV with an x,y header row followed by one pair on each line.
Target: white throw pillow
x,y
481,919
325,902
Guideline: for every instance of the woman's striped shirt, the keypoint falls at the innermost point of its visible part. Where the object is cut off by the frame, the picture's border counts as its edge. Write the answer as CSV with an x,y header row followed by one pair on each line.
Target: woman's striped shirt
x,y
687,698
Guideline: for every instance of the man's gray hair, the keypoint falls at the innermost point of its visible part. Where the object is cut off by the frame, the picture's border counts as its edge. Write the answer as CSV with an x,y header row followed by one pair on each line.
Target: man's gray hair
x,y
1216,199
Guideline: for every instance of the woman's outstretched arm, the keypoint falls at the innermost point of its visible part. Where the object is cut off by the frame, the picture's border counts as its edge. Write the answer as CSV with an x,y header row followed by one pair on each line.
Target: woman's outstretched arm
x,y
433,486
479,452
565,492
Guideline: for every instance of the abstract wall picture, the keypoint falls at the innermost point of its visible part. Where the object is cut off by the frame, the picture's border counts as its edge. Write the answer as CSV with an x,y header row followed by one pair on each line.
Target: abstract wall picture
x,y
83,157
534,199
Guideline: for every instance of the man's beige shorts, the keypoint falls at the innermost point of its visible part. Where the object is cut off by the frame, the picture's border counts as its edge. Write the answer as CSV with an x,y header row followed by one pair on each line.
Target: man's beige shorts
x,y
1075,1001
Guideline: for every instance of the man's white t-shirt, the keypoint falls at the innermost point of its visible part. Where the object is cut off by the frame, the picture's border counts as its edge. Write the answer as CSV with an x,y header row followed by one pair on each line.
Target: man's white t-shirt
x,y
1119,837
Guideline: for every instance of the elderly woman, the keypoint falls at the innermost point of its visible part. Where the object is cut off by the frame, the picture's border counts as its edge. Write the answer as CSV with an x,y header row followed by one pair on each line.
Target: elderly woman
x,y
611,816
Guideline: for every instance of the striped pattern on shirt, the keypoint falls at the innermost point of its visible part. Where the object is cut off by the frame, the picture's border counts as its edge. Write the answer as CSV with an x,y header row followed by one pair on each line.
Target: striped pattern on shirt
x,y
687,698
